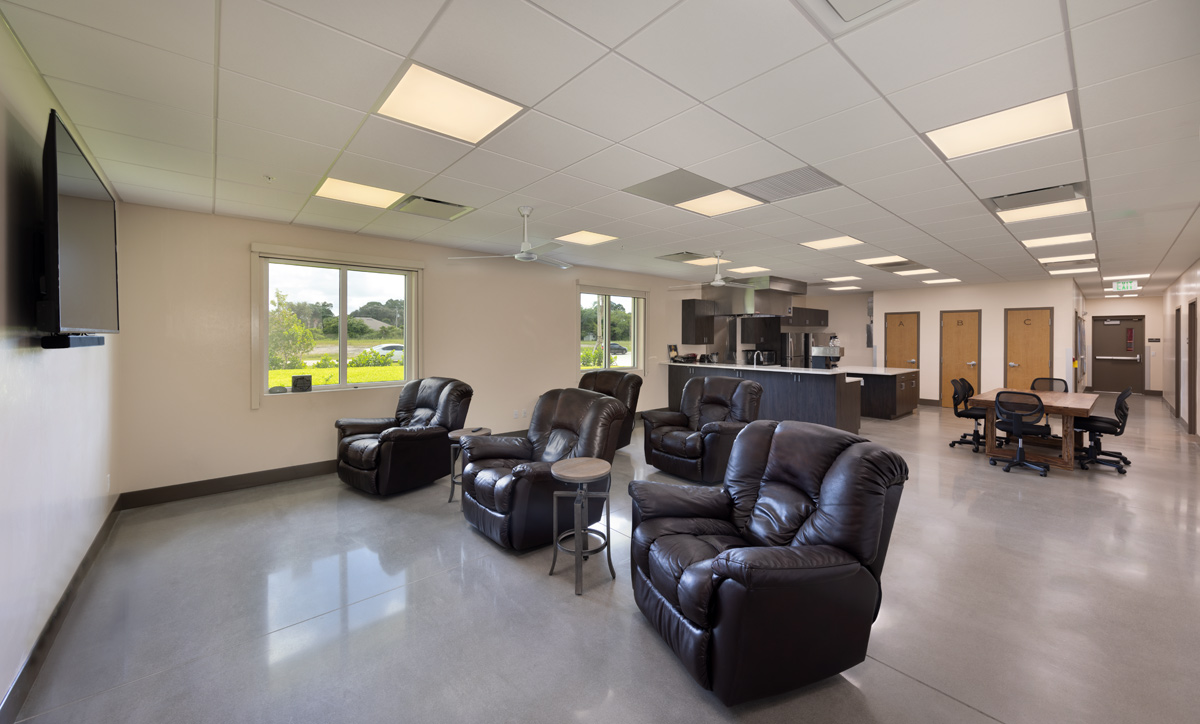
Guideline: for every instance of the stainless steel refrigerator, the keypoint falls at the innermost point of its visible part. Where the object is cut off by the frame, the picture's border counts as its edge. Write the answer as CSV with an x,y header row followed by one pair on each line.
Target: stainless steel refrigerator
x,y
797,347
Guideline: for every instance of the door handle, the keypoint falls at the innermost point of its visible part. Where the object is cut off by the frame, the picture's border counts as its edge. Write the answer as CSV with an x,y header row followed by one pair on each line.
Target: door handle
x,y
1138,358
970,364
912,361
1013,364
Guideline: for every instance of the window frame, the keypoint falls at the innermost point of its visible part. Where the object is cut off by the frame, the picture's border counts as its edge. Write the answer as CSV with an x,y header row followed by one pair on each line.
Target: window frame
x,y
637,324
262,255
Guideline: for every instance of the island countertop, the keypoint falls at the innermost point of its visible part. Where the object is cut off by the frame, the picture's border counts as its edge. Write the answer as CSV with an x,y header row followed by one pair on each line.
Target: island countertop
x,y
846,369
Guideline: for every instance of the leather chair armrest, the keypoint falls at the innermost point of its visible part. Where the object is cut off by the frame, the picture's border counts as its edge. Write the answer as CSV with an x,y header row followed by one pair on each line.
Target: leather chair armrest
x,y
658,418
482,447
723,428
417,432
783,566
534,472
667,500
363,425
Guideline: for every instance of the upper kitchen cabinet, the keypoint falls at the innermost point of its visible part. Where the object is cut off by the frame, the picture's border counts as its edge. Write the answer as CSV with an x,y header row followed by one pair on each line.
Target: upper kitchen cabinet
x,y
808,317
698,321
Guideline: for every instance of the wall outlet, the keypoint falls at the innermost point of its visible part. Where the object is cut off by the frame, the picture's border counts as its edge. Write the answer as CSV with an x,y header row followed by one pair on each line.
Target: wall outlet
x,y
524,413
516,414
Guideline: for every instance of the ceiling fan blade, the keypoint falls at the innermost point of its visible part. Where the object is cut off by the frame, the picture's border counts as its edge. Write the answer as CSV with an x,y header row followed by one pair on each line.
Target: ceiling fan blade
x,y
739,285
685,286
499,256
553,262
545,248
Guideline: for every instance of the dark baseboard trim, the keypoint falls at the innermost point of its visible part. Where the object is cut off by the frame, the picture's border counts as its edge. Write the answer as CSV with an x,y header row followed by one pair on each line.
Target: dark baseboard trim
x,y
183,491
932,403
14,699
1153,393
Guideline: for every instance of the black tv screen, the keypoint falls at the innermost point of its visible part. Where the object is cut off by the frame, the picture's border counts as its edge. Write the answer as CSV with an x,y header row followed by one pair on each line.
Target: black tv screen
x,y
78,286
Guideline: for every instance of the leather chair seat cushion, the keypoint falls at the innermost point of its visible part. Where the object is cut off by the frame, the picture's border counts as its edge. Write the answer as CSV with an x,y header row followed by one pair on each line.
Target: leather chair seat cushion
x,y
1026,430
493,481
360,451
680,569
1103,425
678,441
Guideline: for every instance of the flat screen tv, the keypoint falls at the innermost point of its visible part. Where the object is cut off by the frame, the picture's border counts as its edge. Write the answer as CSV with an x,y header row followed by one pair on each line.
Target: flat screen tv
x,y
77,286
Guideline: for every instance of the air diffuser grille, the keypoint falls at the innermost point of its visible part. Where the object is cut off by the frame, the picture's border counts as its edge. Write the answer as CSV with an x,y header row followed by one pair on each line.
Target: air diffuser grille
x,y
432,208
683,256
789,184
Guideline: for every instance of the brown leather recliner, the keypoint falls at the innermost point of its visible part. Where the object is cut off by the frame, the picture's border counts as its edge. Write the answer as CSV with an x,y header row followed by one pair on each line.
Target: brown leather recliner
x,y
772,581
694,443
389,455
508,491
624,386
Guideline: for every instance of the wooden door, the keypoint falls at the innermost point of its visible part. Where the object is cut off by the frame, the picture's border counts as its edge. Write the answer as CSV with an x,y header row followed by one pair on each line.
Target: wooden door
x,y
1028,346
902,336
1191,378
1117,359
1178,353
960,351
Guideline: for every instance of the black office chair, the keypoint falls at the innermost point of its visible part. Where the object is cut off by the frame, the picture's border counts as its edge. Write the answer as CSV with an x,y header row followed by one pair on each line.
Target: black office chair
x,y
1020,415
1049,384
973,438
1096,426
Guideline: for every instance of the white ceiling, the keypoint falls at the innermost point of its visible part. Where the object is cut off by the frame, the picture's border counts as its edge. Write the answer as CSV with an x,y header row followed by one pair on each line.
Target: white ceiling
x,y
243,107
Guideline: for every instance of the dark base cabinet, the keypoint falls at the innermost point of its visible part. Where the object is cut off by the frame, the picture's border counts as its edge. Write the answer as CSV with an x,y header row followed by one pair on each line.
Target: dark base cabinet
x,y
823,399
890,396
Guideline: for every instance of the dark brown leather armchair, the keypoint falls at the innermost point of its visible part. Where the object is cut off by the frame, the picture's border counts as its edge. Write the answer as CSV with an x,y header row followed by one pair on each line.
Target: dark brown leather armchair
x,y
389,455
771,582
508,491
622,385
694,443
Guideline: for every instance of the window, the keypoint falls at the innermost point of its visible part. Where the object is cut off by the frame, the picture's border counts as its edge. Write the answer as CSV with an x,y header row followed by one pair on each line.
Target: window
x,y
610,330
346,324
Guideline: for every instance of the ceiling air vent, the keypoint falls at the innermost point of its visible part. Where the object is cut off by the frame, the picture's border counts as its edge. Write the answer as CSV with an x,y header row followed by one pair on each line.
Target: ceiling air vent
x,y
789,184
434,209
1038,197
684,256
896,266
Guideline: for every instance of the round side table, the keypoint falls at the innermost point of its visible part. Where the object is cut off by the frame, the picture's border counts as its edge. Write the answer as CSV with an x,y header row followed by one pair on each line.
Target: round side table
x,y
456,437
581,472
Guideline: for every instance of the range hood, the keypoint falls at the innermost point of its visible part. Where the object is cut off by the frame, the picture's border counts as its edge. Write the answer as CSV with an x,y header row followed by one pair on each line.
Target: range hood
x,y
766,297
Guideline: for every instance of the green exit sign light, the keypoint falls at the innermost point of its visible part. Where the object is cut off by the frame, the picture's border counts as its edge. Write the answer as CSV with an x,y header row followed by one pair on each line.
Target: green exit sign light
x,y
1129,286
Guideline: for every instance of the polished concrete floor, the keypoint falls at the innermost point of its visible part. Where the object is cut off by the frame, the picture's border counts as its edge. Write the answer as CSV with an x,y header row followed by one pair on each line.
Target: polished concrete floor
x,y
1007,597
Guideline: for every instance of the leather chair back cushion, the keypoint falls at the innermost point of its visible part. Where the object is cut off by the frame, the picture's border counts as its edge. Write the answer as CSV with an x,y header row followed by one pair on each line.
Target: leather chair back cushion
x,y
719,399
574,423
434,402
624,386
796,483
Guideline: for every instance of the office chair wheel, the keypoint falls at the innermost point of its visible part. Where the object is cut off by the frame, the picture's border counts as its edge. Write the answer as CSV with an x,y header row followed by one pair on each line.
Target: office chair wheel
x,y
993,462
952,444
1082,466
1121,470
1043,473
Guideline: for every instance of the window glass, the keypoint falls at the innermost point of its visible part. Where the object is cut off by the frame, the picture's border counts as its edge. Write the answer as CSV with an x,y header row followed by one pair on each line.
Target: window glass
x,y
375,326
302,324
609,331
591,332
621,331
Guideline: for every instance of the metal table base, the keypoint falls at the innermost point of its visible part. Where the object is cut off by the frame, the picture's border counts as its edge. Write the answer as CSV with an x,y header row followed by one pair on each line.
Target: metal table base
x,y
581,533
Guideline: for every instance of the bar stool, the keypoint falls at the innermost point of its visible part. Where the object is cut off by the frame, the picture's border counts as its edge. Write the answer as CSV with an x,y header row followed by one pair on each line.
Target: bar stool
x,y
456,449
582,472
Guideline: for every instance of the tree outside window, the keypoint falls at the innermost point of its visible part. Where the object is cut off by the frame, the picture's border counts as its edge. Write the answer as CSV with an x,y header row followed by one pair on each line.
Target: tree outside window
x,y
608,331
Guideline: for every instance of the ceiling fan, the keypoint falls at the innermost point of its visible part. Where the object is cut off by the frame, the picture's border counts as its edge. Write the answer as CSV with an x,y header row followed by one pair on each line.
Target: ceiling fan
x,y
718,280
527,252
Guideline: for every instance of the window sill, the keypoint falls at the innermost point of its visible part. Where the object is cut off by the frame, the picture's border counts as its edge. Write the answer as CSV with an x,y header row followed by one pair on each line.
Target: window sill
x,y
337,388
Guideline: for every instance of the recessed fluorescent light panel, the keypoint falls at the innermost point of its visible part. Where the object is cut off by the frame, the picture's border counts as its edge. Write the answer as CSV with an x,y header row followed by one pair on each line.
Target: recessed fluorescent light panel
x,y
1044,211
881,260
1071,257
358,193
706,261
1111,296
585,237
834,243
941,281
842,289
1023,123
431,100
722,202
842,279
916,272
749,270
1055,240
1128,295
1127,276
1084,270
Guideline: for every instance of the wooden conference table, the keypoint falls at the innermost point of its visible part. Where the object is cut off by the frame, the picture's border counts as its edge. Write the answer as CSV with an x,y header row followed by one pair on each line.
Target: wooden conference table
x,y
1067,404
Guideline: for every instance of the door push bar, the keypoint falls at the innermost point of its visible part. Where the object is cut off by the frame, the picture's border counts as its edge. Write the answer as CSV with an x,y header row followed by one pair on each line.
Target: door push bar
x,y
1137,358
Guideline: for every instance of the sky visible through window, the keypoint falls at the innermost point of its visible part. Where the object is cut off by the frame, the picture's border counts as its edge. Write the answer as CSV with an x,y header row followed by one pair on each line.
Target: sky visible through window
x,y
317,284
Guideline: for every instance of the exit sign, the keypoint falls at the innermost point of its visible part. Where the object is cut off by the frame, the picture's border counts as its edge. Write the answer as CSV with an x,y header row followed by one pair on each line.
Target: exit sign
x,y
1128,286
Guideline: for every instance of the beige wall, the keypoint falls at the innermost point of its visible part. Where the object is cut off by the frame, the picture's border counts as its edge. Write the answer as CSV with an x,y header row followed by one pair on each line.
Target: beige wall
x,y
1149,307
992,300
57,404
847,317
1185,289
184,369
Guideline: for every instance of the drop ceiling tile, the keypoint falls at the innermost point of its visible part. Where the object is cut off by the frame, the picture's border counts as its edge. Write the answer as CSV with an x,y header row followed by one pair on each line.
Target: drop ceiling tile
x,y
678,46
334,223
929,199
953,34
491,169
122,173
566,190
1036,71
750,163
695,135
260,195
800,91
622,230
965,209
867,126
655,238
1184,175
758,215
828,200
618,167
516,50
254,173
1085,11
303,56
166,198
373,172
391,25
68,51
117,146
615,99
402,226
275,152
610,22
1059,148
797,230
408,146
665,217
271,108
1170,124
180,26
481,224
112,112
1156,89
331,208
849,214
620,205
544,141
1159,155
510,205
905,155
1034,178
1136,39
901,184
455,191
225,207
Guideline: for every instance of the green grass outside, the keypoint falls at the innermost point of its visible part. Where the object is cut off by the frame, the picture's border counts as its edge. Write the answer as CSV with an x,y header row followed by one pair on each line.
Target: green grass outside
x,y
586,346
283,378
